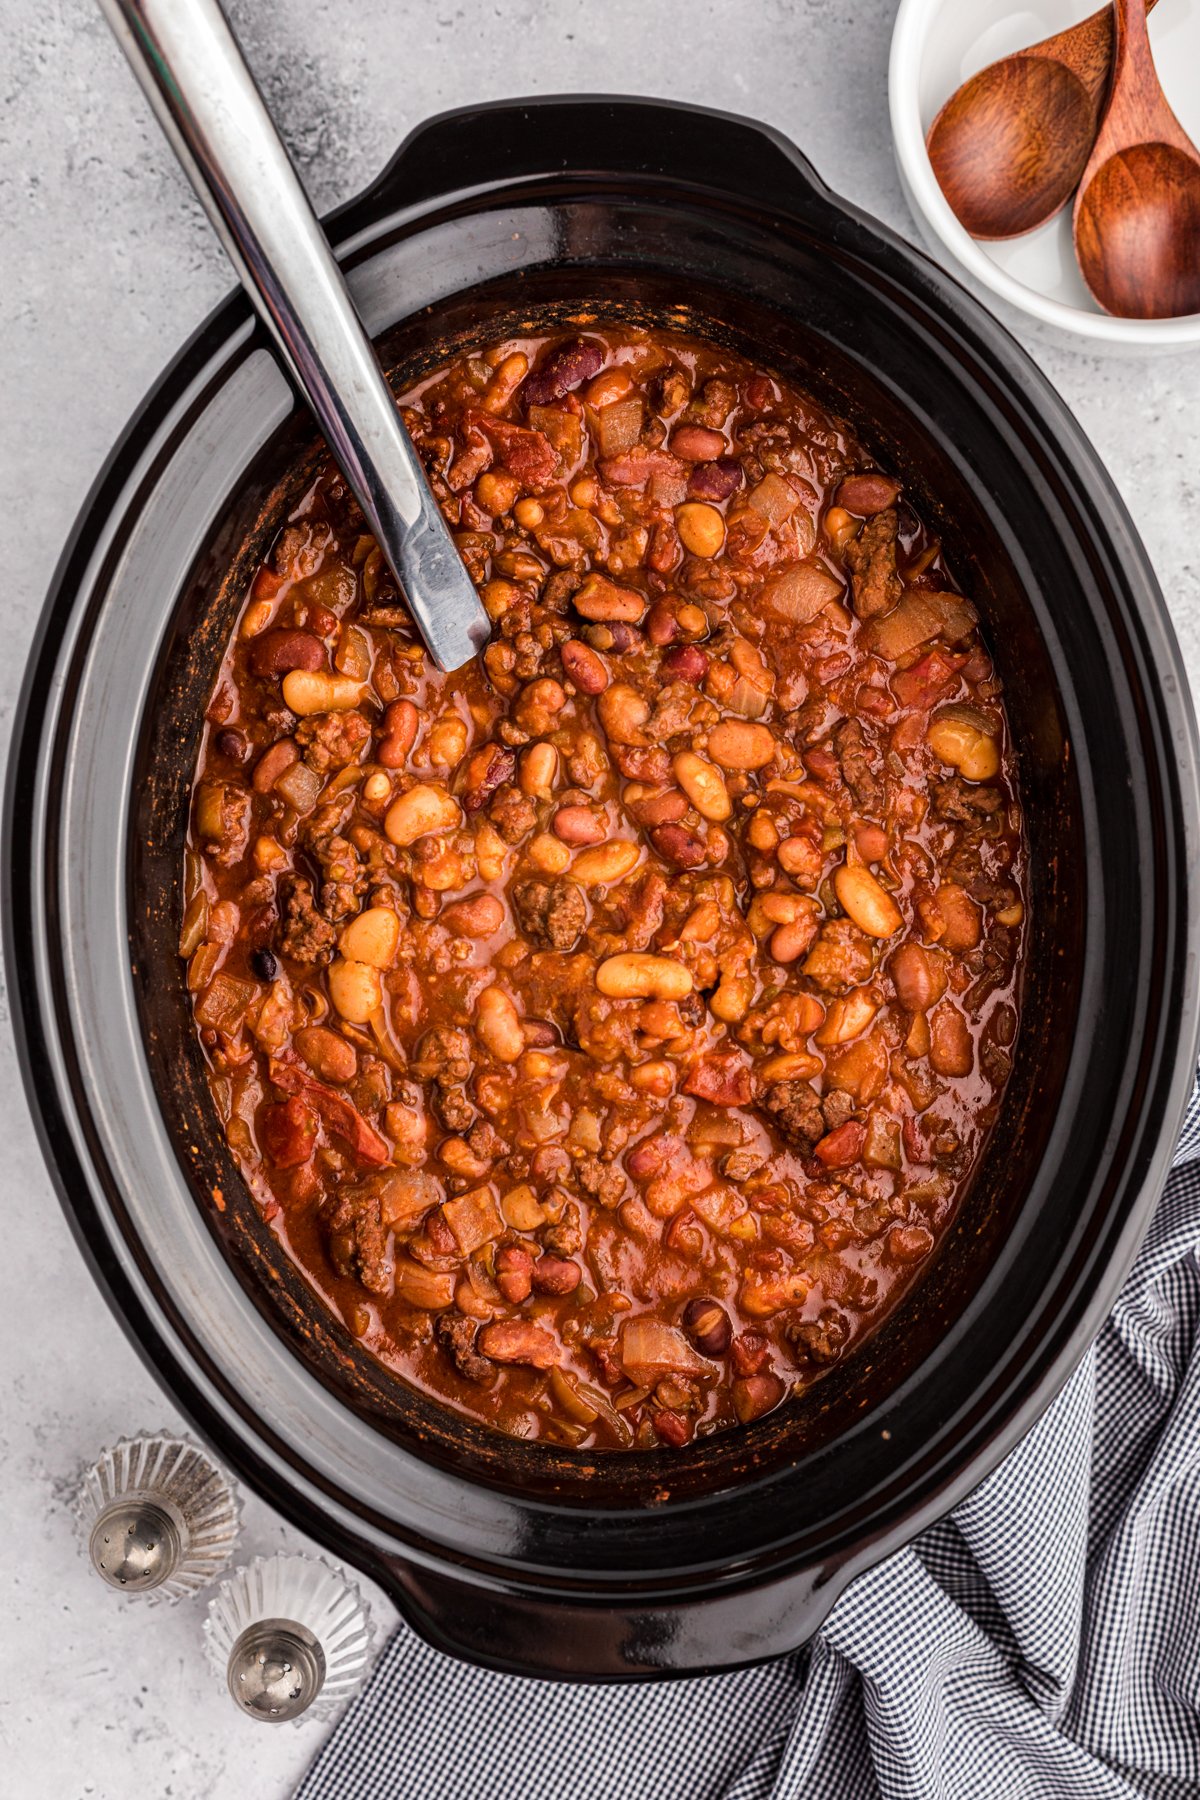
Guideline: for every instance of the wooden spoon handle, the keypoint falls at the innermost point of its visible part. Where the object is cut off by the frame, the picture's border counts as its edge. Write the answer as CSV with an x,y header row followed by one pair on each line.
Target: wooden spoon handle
x,y
1089,49
1138,111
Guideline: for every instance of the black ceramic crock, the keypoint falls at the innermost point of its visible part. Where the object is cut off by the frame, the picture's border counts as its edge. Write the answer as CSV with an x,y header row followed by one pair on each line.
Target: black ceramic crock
x,y
576,1564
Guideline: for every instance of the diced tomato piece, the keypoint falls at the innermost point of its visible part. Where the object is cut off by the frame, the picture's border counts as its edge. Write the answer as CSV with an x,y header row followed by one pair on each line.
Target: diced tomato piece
x,y
838,1149
928,681
336,1112
287,1131
722,1078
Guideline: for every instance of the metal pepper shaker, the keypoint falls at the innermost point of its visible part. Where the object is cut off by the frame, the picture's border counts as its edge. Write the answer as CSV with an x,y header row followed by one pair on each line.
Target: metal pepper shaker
x,y
288,1636
156,1516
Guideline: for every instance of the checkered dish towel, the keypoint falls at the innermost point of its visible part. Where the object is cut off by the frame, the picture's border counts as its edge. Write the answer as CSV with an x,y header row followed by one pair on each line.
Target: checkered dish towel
x,y
1041,1643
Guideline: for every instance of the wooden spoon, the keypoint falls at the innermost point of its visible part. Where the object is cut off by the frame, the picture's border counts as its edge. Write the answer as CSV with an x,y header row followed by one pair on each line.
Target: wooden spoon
x,y
1009,146
1137,214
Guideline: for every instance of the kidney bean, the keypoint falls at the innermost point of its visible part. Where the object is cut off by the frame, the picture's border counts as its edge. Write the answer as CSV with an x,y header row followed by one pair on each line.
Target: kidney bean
x,y
662,627
400,721
755,1395
867,494
685,662
285,648
696,443
577,825
272,763
232,743
583,667
556,1275
676,844
707,1326
487,769
477,917
671,1428
514,1267
660,809
539,1035
715,480
566,368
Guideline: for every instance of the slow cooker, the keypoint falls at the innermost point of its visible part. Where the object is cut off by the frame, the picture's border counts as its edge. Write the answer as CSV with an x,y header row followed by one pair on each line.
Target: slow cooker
x,y
525,1557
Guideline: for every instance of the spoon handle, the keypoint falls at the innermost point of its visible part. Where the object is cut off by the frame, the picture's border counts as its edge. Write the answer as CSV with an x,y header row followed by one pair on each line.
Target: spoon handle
x,y
205,98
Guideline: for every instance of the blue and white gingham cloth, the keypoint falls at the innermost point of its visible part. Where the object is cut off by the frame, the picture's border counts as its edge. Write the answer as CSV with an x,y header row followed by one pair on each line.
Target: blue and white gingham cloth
x,y
1041,1643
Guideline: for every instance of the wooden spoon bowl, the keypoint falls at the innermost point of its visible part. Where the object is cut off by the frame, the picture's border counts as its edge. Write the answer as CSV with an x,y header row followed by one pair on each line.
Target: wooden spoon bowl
x,y
1137,231
1009,146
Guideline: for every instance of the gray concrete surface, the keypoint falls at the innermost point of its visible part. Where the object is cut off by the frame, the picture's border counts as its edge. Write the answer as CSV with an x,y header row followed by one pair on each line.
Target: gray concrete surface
x,y
106,264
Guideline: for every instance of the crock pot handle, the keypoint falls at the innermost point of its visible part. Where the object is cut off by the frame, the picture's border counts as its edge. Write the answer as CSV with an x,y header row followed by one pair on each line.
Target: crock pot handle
x,y
523,1632
487,147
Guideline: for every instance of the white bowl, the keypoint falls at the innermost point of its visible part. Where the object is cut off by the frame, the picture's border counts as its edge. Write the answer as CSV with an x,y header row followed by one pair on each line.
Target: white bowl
x,y
936,45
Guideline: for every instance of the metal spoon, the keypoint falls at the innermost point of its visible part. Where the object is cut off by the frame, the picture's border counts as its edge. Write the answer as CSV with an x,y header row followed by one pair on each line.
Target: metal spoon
x,y
205,98
1137,215
1009,146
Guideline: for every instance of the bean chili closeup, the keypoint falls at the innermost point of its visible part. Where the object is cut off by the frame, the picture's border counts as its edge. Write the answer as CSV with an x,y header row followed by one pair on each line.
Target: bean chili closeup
x,y
609,1030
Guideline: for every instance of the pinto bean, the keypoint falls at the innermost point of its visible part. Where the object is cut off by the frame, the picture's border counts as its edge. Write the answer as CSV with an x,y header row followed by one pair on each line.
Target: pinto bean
x,y
704,785
739,744
789,942
400,722
919,980
861,897
422,810
286,648
309,691
327,1054
498,1025
600,598
478,917
607,863
373,937
539,766
355,990
582,666
623,712
636,975
800,858
514,1267
951,1051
